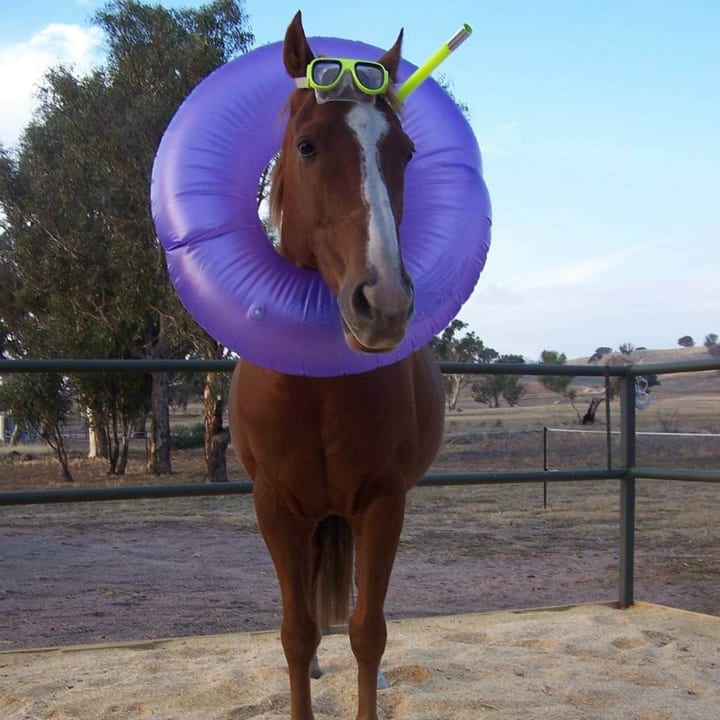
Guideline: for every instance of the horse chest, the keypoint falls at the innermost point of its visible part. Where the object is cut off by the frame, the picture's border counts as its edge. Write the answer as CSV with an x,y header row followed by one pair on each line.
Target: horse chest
x,y
334,437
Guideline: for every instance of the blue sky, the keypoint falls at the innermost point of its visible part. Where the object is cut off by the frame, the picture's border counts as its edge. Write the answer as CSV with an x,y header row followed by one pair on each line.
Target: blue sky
x,y
599,124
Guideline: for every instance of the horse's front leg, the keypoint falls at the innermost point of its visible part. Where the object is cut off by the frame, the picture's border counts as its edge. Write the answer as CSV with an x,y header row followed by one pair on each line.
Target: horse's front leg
x,y
377,534
289,541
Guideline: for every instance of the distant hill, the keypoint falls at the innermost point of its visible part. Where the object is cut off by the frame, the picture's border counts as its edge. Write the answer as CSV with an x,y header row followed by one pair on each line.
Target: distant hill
x,y
678,354
677,383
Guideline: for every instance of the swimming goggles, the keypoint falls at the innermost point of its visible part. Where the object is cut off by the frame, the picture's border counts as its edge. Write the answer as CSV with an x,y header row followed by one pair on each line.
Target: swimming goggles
x,y
341,79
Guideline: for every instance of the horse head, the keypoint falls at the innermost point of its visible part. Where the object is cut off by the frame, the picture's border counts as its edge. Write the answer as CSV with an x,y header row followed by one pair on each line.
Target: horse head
x,y
337,190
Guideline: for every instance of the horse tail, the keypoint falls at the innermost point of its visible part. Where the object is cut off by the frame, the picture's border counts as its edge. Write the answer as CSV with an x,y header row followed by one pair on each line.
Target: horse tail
x,y
334,569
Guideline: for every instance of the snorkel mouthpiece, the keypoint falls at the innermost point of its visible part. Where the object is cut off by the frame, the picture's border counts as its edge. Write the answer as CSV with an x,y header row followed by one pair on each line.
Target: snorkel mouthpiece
x,y
423,72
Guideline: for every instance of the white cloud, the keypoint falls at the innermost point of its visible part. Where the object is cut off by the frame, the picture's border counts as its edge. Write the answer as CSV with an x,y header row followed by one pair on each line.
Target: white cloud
x,y
22,66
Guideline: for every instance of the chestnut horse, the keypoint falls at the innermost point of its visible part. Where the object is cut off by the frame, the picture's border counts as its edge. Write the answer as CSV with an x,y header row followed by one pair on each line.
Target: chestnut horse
x,y
331,459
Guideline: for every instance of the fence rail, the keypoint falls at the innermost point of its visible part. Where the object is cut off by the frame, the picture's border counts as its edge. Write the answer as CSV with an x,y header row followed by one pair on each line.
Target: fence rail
x,y
627,472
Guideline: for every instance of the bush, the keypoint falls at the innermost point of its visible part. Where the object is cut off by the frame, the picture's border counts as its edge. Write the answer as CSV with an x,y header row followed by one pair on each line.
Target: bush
x,y
185,437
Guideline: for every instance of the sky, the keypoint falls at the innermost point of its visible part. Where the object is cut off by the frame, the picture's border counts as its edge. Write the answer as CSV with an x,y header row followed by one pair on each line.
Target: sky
x,y
599,126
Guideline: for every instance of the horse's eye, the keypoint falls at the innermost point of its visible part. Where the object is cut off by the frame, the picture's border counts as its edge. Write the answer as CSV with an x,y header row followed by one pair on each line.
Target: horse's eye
x,y
306,148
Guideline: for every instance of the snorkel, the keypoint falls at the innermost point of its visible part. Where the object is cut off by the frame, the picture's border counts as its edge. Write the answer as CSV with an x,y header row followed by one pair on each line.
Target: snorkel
x,y
423,72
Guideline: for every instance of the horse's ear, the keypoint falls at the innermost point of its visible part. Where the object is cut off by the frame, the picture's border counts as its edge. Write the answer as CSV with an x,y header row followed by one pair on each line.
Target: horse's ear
x,y
297,54
391,59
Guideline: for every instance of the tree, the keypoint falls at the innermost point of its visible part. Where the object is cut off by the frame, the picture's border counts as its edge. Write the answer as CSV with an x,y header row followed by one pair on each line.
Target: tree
x,y
686,341
711,344
615,382
559,384
452,347
113,403
599,354
447,85
627,349
155,57
491,388
42,402
76,198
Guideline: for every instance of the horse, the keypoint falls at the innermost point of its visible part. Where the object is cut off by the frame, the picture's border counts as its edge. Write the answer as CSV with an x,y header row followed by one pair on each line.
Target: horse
x,y
331,459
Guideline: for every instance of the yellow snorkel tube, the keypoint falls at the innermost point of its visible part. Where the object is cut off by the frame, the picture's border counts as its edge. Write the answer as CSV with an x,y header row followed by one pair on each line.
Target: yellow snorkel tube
x,y
433,61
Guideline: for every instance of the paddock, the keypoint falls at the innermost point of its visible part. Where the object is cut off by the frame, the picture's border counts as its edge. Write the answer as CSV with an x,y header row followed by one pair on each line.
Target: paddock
x,y
584,662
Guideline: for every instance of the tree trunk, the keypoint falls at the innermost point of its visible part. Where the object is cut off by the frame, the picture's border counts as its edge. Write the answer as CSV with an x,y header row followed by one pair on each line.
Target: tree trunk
x,y
575,408
53,437
97,437
217,438
113,441
455,385
159,460
125,436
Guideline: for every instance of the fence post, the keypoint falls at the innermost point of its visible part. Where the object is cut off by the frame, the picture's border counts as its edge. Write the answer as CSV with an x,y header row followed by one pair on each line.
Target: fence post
x,y
627,492
608,420
545,464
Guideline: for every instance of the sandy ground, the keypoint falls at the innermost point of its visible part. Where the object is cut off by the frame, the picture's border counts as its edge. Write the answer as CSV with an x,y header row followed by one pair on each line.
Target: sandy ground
x,y
585,662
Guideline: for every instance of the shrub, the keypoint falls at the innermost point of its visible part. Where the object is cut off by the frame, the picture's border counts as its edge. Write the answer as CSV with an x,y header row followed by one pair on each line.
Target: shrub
x,y
185,437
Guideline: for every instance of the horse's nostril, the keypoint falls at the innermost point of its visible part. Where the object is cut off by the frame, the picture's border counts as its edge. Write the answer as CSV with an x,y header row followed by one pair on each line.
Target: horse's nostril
x,y
411,306
360,303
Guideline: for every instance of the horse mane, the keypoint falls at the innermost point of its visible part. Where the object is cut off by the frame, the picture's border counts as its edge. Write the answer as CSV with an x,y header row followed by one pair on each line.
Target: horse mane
x,y
277,187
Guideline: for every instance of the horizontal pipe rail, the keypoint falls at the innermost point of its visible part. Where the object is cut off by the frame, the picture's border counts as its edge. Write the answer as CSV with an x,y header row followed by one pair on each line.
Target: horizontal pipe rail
x,y
670,368
138,492
155,492
115,365
680,474
452,368
507,477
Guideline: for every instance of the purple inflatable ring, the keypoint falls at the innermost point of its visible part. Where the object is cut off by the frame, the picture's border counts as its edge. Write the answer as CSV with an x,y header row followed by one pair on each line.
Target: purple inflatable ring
x,y
228,276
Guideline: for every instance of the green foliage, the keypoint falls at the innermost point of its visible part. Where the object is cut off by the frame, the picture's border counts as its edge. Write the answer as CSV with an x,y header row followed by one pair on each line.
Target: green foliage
x,y
447,85
82,273
559,384
469,348
185,437
686,341
42,402
491,388
711,344
453,347
600,353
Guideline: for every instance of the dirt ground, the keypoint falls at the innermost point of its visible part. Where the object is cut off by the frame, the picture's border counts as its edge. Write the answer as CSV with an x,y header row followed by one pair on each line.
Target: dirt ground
x,y
102,572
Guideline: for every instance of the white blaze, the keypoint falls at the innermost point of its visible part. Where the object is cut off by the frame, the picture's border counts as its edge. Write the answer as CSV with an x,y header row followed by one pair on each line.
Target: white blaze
x,y
369,126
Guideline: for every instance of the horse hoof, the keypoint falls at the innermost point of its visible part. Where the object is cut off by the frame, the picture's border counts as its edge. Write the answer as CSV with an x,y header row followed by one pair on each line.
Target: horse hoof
x,y
382,683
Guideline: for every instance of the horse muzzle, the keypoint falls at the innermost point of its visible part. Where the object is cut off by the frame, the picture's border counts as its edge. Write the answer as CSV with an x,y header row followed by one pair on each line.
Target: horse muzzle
x,y
376,314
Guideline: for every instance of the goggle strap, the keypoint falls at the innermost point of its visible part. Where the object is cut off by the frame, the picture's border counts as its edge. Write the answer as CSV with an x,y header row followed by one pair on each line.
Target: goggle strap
x,y
301,83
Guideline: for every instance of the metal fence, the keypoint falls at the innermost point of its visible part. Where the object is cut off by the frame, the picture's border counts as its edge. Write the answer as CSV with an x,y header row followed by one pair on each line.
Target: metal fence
x,y
623,469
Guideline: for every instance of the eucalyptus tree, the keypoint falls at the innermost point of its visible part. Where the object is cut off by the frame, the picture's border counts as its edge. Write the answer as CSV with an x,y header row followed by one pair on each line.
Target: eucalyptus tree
x,y
491,388
88,273
451,346
155,57
559,384
40,402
